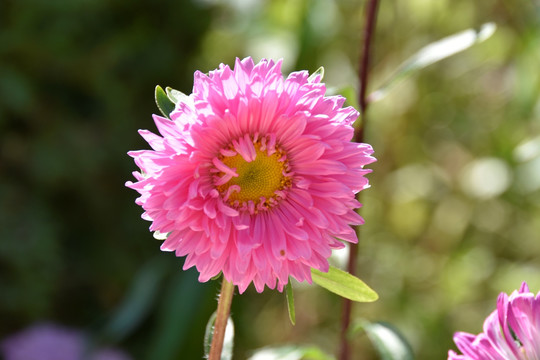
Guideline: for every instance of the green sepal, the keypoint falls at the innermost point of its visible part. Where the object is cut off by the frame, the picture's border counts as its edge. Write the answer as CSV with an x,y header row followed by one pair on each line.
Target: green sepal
x,y
163,102
290,302
344,284
217,276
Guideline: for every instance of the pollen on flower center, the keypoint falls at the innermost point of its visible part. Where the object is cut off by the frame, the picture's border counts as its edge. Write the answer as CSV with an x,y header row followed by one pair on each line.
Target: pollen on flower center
x,y
252,173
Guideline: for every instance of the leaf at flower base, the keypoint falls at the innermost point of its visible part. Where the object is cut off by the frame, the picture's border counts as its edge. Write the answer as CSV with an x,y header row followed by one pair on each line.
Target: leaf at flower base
x,y
164,104
344,284
318,72
291,352
209,334
432,53
290,302
176,96
228,341
387,340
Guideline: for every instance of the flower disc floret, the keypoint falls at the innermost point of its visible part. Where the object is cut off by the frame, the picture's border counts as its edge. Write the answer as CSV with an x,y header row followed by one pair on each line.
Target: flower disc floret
x,y
254,175
256,178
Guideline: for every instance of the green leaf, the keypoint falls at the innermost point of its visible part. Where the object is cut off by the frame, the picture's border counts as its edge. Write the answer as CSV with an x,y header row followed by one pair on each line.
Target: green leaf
x,y
138,301
387,340
176,96
319,71
432,53
228,341
344,284
351,96
164,104
290,302
291,352
176,313
209,334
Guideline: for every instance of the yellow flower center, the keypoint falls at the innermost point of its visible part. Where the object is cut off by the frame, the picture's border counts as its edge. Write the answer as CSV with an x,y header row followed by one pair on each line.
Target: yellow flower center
x,y
257,179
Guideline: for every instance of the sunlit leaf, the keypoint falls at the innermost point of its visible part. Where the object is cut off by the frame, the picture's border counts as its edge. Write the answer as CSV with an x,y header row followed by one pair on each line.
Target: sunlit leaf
x,y
164,104
176,96
290,302
209,334
228,340
160,236
318,72
387,340
291,352
344,284
432,53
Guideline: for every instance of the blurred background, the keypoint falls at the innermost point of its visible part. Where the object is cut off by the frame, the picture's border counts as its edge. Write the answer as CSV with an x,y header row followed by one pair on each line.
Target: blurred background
x,y
452,217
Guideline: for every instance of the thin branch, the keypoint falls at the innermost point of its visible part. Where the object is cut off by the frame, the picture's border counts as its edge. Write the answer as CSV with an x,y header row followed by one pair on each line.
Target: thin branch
x,y
363,73
363,68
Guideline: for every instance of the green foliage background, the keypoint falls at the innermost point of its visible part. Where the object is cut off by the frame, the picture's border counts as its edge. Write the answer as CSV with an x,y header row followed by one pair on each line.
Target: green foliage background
x,y
452,217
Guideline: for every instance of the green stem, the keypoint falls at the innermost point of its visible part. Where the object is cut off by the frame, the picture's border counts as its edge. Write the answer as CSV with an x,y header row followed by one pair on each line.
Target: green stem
x,y
222,316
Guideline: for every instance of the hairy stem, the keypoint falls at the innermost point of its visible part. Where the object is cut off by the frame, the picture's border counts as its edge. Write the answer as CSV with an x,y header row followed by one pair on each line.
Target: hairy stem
x,y
363,72
222,315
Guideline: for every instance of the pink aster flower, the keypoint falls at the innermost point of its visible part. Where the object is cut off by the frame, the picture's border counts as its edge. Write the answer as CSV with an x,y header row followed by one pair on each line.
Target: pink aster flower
x,y
511,332
254,175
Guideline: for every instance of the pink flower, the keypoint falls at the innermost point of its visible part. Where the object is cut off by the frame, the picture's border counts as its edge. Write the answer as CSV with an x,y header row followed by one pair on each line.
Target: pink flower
x,y
511,332
254,175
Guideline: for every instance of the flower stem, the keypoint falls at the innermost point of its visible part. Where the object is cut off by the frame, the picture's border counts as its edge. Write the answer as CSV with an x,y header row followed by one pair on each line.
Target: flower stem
x,y
222,316
363,68
363,72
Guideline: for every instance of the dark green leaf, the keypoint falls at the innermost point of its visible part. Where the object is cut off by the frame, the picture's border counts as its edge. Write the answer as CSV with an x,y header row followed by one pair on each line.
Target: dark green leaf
x,y
344,284
432,53
176,313
138,301
387,340
290,302
164,104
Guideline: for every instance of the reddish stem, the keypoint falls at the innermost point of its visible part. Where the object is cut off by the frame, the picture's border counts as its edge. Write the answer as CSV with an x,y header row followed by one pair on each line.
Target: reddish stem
x,y
363,72
222,316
